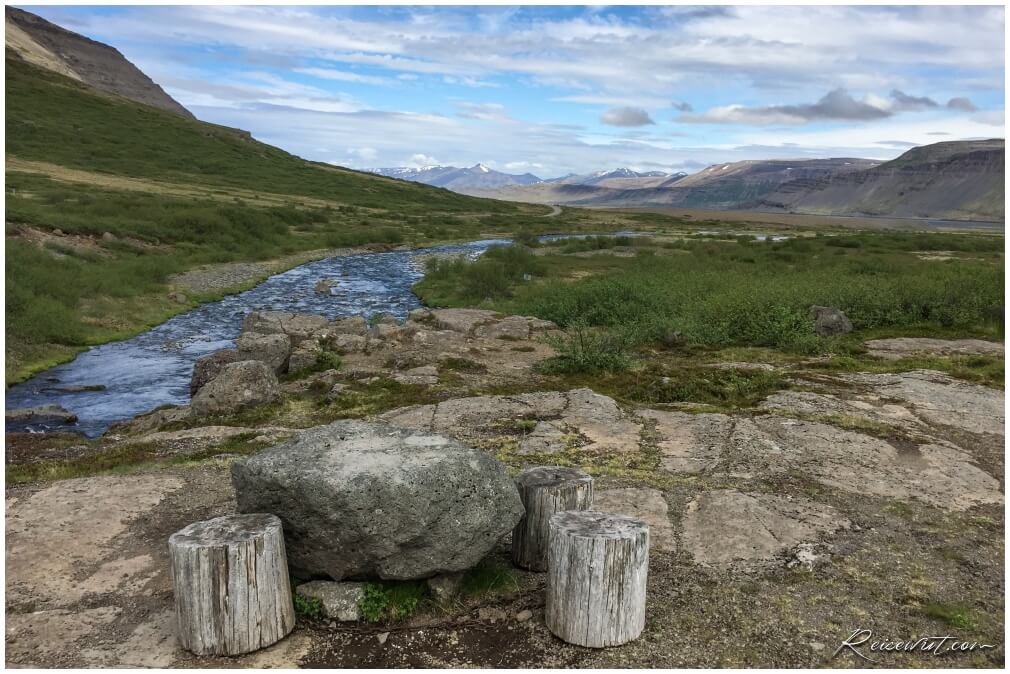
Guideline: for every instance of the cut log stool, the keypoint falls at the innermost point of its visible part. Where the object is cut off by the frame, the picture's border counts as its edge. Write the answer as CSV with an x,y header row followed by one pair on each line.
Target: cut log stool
x,y
546,490
597,568
230,577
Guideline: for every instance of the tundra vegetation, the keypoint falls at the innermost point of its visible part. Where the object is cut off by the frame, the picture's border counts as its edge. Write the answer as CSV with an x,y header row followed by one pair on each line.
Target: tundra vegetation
x,y
681,293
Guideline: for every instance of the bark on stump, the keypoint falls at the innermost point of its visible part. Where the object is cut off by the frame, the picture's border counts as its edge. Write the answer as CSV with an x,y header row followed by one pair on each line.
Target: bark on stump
x,y
230,577
597,568
546,490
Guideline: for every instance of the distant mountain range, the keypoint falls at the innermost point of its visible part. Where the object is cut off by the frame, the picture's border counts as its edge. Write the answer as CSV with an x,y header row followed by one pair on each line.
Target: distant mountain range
x,y
962,180
479,178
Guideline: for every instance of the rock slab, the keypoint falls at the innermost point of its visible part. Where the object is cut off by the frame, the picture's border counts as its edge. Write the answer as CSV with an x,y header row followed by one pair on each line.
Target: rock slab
x,y
339,601
361,499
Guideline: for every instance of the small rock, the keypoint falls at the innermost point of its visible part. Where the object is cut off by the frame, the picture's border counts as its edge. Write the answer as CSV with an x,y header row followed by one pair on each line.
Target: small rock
x,y
424,375
524,615
108,236
805,556
446,586
323,286
829,321
178,298
462,320
387,330
489,614
50,413
57,232
510,328
340,601
381,638
336,390
540,325
419,315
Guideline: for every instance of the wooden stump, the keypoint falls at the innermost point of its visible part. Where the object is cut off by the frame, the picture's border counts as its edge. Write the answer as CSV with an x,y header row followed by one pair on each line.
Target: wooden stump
x,y
546,490
232,592
596,576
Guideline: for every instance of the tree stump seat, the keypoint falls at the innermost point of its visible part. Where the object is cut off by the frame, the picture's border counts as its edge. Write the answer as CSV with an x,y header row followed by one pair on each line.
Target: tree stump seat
x,y
597,568
231,585
546,490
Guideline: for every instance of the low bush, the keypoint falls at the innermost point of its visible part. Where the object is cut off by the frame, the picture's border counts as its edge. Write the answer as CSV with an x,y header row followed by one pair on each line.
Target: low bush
x,y
584,350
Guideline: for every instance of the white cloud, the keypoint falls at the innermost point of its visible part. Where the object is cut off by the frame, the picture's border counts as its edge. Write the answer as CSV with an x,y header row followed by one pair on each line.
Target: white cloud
x,y
342,76
626,116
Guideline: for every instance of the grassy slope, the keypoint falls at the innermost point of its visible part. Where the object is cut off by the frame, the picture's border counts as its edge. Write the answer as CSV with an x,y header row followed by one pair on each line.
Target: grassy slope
x,y
176,193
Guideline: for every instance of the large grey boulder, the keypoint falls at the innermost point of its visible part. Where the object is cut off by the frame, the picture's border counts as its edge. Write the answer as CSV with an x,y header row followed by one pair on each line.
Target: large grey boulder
x,y
361,499
246,383
829,321
274,350
209,367
298,327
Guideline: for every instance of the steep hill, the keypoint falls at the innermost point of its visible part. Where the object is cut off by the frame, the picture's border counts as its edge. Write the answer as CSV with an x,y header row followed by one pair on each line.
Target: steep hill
x,y
956,180
35,40
108,199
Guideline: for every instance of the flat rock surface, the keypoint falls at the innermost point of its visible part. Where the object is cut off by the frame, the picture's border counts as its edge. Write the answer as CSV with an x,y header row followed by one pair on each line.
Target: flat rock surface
x,y
725,526
338,601
937,398
900,347
641,503
690,443
561,419
938,473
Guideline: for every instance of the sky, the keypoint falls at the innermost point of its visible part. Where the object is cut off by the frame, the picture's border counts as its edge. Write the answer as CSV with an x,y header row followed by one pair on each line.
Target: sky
x,y
558,90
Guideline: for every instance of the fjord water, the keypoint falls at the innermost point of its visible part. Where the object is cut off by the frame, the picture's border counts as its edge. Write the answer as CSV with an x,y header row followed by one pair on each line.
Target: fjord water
x,y
154,368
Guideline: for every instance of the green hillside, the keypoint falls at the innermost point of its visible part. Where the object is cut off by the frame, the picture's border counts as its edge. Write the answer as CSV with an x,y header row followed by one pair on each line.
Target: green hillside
x,y
108,198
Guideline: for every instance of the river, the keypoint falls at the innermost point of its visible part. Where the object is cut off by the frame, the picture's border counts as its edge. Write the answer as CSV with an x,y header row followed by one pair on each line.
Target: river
x,y
154,367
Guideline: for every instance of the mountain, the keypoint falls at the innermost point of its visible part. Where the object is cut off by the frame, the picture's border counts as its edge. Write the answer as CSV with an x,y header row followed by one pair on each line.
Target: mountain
x,y
37,41
961,180
736,185
620,178
721,186
477,177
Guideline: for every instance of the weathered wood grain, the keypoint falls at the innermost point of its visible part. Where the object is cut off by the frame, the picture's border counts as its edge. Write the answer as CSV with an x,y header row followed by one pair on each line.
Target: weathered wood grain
x,y
597,570
232,591
546,490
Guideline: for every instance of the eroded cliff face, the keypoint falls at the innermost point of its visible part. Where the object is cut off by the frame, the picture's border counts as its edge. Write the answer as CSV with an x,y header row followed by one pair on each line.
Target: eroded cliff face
x,y
45,44
957,180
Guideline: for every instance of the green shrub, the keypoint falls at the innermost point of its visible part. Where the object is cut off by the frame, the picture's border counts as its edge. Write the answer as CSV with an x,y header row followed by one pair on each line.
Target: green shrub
x,y
587,350
391,600
309,607
490,576
328,360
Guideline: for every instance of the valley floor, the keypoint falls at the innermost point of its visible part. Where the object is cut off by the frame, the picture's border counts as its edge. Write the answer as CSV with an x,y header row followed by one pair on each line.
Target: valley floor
x,y
832,502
